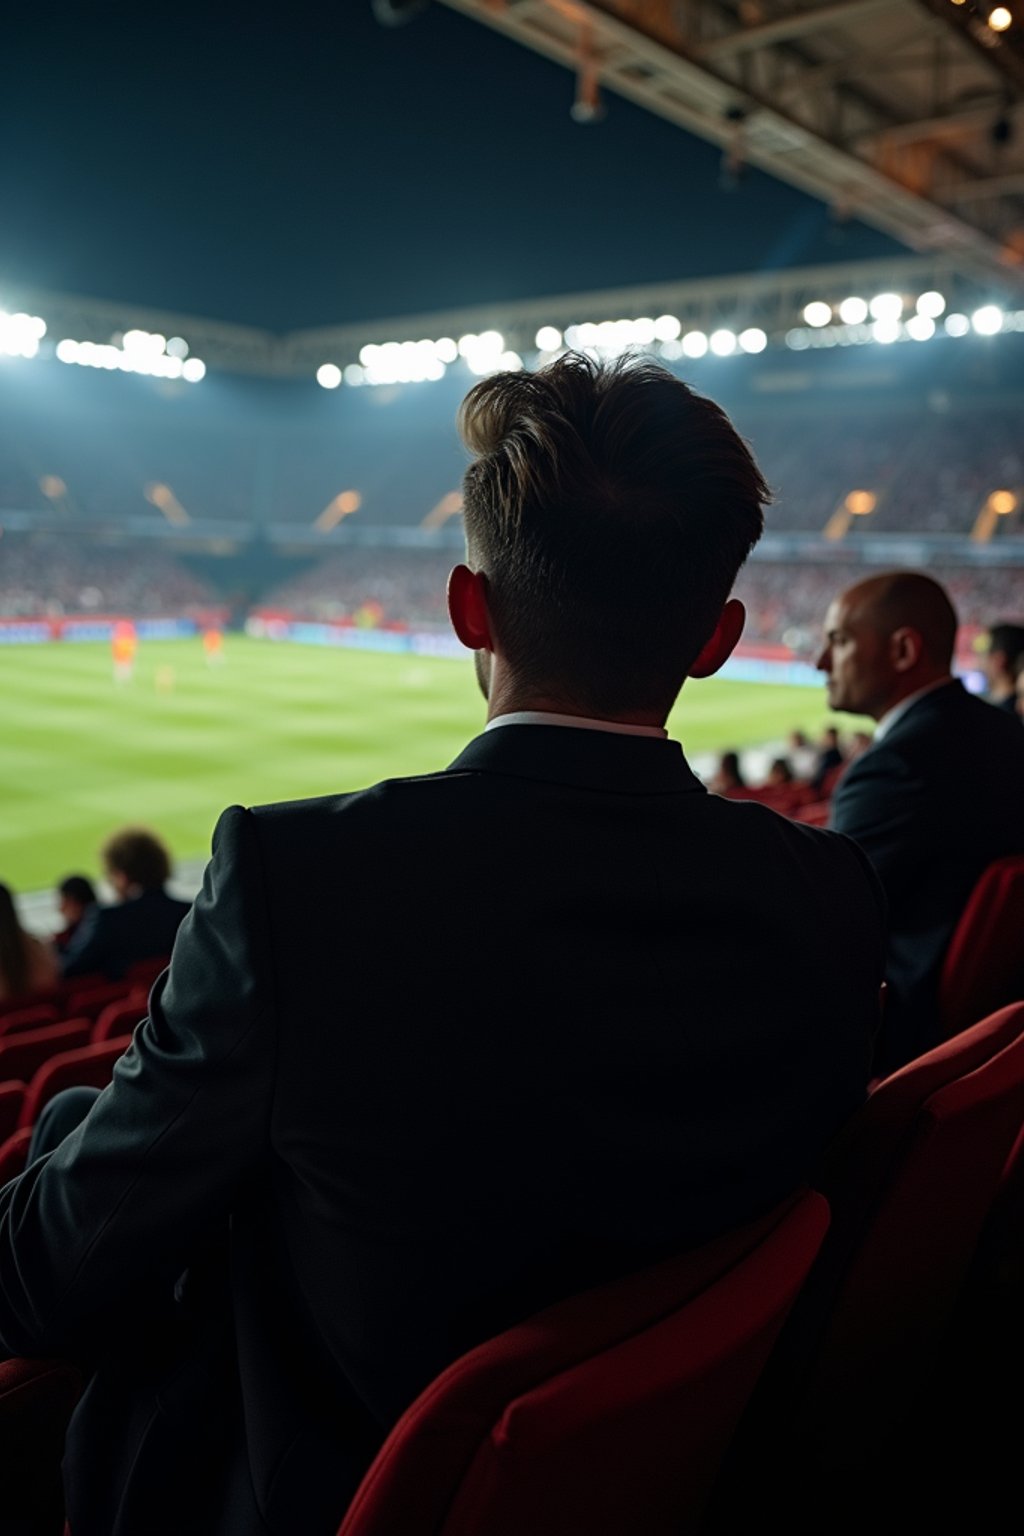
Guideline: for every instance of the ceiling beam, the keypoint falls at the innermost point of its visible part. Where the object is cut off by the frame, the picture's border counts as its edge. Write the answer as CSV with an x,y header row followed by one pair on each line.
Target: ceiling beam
x,y
786,28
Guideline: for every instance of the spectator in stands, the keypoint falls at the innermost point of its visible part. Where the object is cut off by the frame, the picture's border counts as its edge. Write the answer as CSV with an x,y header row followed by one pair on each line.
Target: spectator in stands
x,y
412,1145
780,774
830,757
1002,661
859,743
728,775
802,755
76,899
27,965
938,795
143,924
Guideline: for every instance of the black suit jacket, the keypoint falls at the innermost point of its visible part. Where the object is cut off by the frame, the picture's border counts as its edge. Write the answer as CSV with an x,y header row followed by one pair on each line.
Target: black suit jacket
x,y
933,803
427,1058
111,939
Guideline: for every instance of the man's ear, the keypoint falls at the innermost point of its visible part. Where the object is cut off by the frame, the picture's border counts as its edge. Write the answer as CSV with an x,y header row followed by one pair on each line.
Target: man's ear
x,y
905,649
723,641
467,608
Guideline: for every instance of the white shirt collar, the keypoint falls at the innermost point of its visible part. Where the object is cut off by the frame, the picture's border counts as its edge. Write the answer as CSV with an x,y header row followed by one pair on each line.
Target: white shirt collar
x,y
574,723
897,712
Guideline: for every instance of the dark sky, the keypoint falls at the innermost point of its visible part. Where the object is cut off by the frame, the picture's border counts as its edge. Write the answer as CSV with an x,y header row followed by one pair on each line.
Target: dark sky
x,y
297,165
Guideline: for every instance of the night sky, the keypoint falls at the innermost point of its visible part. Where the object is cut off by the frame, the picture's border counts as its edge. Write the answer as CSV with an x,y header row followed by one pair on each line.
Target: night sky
x,y
296,166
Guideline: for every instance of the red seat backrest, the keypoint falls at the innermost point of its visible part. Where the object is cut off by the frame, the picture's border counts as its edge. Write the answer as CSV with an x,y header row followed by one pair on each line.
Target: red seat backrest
x,y
23,1054
12,1095
606,1413
984,964
91,1000
119,1018
91,1066
910,1184
14,1154
144,972
29,1018
9,1005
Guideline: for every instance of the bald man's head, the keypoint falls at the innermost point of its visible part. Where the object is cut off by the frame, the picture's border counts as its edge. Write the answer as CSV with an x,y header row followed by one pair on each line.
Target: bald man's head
x,y
885,638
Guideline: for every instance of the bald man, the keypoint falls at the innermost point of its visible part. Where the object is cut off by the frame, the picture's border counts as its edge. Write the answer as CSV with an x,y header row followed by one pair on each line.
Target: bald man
x,y
939,794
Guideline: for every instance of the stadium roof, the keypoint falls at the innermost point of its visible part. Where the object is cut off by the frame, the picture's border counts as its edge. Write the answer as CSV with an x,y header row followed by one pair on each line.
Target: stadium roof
x,y
905,114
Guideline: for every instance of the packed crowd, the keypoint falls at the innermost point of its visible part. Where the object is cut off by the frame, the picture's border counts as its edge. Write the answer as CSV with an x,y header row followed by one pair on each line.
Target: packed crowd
x,y
52,576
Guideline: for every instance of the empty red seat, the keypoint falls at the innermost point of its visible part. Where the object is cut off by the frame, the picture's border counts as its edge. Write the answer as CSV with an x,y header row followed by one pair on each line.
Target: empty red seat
x,y
604,1414
11,1096
119,1018
29,1018
89,1066
14,1154
91,1000
144,972
23,1054
984,965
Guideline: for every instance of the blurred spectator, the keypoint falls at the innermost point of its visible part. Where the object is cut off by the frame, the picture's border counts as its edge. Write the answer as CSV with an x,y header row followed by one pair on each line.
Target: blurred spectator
x,y
76,899
1002,661
53,576
143,925
830,757
27,965
802,755
728,775
860,743
780,774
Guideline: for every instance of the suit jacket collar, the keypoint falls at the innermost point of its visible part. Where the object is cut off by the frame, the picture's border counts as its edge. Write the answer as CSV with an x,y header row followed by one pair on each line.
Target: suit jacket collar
x,y
931,704
630,765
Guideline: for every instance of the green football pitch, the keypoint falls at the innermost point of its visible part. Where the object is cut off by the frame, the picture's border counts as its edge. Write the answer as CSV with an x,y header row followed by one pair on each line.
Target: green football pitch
x,y
81,755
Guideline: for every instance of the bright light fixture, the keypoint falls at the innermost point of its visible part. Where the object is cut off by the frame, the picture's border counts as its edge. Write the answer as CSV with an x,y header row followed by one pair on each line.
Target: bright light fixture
x,y
723,343
921,327
988,320
445,349
931,304
1000,19
695,344
956,325
548,338
753,339
886,306
193,369
667,328
886,331
853,311
328,375
20,334
817,313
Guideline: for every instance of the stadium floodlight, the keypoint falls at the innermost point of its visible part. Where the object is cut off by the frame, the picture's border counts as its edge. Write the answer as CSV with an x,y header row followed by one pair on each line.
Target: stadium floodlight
x,y
886,306
1003,502
861,503
177,346
511,362
798,339
644,332
67,351
671,350
931,304
667,328
817,313
1000,19
988,320
723,343
193,369
753,339
355,374
20,334
921,327
695,344
956,325
445,349
548,338
328,375
886,331
853,311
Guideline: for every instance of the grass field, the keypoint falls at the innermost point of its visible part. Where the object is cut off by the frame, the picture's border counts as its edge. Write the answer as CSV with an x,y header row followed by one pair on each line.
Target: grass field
x,y
80,755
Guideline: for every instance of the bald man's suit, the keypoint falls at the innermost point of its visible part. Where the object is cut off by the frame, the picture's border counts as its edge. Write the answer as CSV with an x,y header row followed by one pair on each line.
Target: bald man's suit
x,y
932,804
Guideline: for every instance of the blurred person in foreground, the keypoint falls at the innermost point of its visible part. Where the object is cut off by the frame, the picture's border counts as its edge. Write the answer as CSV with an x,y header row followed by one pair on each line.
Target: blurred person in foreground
x,y
76,898
27,965
375,1148
935,798
143,923
1002,661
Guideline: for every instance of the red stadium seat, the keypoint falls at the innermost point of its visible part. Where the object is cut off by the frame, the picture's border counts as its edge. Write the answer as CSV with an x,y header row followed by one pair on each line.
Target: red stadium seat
x,y
29,1018
91,1000
910,1182
814,814
984,965
89,1066
119,1018
11,1005
604,1414
37,1398
11,1096
144,972
13,1157
22,1055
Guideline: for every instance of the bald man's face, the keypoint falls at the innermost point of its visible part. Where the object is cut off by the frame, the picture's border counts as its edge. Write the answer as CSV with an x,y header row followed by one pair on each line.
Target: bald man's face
x,y
856,658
